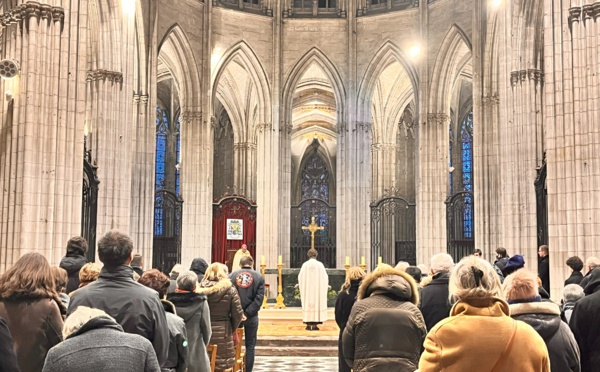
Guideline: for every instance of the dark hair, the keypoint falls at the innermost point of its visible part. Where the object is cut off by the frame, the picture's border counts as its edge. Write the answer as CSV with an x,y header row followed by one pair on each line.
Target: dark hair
x,y
415,272
77,244
137,260
544,248
114,248
156,280
246,261
501,251
30,277
575,263
478,251
60,278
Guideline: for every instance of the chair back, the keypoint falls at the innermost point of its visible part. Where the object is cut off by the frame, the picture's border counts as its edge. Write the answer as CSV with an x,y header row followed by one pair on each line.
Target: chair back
x,y
240,356
211,349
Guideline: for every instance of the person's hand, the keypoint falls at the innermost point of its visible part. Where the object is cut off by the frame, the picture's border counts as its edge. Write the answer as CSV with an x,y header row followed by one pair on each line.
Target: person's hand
x,y
244,317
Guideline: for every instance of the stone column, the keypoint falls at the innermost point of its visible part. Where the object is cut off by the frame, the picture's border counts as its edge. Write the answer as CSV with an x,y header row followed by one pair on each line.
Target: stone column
x,y
245,168
41,157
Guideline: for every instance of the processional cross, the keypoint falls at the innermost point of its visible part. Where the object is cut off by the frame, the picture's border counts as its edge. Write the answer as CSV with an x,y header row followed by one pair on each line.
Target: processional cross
x,y
312,228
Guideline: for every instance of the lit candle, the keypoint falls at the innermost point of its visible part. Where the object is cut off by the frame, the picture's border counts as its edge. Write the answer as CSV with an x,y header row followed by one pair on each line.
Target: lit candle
x,y
262,260
379,261
280,262
348,260
362,260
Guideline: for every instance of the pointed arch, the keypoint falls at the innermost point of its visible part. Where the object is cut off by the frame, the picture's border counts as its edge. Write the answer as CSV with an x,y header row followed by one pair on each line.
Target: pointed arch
x,y
176,52
314,55
448,64
243,53
388,53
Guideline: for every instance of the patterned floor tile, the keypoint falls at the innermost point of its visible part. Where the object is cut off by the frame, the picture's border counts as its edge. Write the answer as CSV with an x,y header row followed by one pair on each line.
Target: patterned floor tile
x,y
296,364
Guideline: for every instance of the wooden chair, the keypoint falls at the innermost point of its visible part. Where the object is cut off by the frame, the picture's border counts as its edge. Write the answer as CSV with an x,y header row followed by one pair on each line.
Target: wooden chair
x,y
211,349
240,356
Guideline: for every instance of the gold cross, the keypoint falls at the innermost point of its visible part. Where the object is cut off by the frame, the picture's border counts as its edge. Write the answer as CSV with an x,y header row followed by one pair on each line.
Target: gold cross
x,y
312,228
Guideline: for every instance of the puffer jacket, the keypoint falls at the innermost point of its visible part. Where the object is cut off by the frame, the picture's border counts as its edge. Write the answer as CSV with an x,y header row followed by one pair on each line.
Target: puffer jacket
x,y
385,330
585,324
225,316
544,317
192,307
72,263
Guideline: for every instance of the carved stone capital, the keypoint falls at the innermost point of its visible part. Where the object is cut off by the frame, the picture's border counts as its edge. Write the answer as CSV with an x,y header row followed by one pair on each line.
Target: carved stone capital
x,y
58,14
514,77
364,126
490,100
342,128
188,116
574,14
45,11
289,128
95,75
264,127
588,11
536,75
250,146
33,9
438,119
144,99
136,98
596,10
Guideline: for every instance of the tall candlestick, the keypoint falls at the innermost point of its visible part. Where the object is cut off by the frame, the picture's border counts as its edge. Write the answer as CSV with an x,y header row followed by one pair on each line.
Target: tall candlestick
x,y
280,261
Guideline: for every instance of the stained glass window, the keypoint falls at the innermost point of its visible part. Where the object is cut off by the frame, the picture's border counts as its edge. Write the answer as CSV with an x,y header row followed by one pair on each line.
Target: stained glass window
x,y
466,137
315,179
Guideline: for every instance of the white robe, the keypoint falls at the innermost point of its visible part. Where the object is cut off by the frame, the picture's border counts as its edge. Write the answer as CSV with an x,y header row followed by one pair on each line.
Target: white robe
x,y
236,259
313,282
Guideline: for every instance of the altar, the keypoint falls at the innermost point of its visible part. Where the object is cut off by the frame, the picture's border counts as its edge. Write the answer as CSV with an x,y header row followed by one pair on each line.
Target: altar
x,y
291,295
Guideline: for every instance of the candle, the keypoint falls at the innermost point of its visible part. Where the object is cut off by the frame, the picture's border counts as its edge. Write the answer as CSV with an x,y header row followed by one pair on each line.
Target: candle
x,y
379,261
362,260
348,260
262,260
280,262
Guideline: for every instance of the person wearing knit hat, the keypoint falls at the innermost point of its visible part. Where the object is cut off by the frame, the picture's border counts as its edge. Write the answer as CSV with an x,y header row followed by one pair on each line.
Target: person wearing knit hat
x,y
522,295
514,263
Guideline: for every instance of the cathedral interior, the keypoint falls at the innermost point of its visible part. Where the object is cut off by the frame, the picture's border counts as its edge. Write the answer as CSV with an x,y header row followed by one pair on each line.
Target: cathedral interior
x,y
405,127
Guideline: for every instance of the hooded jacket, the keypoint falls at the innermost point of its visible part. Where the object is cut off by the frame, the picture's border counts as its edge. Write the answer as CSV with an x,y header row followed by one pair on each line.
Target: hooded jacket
x,y
193,309
476,335
72,263
178,344
385,309
35,325
135,307
199,266
544,317
225,316
585,324
100,345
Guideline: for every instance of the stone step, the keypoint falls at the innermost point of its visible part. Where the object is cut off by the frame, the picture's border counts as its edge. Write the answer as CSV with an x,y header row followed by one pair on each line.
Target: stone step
x,y
323,351
297,341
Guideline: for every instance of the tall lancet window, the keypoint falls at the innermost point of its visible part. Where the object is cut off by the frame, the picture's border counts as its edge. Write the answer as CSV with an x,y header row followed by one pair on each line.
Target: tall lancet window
x,y
466,143
315,179
167,176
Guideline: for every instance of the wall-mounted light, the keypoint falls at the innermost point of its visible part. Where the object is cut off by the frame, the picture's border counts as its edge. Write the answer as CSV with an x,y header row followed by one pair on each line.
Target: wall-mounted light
x,y
496,3
8,68
414,51
129,7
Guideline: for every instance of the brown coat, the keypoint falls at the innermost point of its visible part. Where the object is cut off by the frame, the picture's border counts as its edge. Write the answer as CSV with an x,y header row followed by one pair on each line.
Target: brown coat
x,y
35,325
475,336
225,316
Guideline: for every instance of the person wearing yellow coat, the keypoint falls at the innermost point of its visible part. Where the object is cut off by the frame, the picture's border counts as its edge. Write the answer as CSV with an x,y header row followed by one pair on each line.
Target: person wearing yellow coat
x,y
480,335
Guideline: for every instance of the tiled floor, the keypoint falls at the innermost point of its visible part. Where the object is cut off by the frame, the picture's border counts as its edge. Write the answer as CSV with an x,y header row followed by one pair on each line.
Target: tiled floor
x,y
296,364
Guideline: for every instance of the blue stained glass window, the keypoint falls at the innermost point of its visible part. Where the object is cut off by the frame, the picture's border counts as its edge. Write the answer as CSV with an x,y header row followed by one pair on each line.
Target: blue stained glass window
x,y
315,179
161,148
466,135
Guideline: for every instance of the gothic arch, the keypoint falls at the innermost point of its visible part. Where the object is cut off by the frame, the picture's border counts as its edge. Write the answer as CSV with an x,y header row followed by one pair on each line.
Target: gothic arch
x,y
387,54
244,54
176,52
314,55
449,63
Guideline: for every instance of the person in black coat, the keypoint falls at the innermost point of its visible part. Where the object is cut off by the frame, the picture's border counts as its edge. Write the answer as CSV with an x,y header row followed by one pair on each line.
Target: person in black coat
x,y
576,264
591,263
74,261
343,307
8,358
544,267
199,266
501,258
135,307
435,304
521,292
585,325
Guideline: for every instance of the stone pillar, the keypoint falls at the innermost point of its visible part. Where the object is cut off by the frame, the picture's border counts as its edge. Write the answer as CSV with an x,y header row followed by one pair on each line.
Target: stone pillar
x,y
41,157
245,168
572,134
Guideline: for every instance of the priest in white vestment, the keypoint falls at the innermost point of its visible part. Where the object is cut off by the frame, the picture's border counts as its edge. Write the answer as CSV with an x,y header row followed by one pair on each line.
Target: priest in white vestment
x,y
238,256
314,284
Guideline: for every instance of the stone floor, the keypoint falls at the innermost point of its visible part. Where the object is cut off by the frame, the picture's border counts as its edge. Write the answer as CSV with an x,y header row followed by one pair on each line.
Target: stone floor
x,y
296,364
